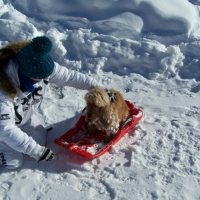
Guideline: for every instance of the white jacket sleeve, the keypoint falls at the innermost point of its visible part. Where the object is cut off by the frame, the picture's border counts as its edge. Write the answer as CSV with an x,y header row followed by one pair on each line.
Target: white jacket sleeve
x,y
64,77
14,136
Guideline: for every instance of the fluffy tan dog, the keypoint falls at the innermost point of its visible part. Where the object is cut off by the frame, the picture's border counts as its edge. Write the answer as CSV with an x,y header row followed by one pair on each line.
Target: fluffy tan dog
x,y
105,110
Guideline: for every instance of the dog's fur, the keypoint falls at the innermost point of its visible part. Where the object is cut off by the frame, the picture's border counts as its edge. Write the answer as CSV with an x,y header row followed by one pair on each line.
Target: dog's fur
x,y
102,114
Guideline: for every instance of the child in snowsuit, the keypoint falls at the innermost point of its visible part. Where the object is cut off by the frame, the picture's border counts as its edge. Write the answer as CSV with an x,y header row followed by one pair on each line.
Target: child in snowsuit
x,y
26,69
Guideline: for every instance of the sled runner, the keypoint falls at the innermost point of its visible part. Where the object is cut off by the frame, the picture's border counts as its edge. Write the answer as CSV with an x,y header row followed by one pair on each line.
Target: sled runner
x,y
92,146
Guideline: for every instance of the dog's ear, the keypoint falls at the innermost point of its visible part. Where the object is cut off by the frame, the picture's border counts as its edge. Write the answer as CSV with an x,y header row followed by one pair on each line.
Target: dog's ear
x,y
105,116
98,96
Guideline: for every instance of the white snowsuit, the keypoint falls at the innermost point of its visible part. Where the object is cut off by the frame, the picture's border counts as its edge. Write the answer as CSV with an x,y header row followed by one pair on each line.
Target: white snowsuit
x,y
18,123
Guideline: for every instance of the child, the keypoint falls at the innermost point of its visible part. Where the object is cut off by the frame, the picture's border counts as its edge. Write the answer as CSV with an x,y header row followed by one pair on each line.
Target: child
x,y
26,69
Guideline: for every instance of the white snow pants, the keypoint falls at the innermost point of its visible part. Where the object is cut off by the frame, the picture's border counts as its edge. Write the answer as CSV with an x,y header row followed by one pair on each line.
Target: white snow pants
x,y
12,159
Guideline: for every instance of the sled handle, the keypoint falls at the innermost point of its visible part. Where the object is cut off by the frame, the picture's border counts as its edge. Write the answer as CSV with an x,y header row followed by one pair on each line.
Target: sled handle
x,y
84,109
126,122
136,117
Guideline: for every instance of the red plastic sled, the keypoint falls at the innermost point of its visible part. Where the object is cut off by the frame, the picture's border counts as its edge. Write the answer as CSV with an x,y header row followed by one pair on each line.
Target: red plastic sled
x,y
92,146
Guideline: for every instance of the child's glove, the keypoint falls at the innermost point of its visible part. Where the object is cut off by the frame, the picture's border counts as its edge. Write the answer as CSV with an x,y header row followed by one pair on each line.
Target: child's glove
x,y
47,155
42,153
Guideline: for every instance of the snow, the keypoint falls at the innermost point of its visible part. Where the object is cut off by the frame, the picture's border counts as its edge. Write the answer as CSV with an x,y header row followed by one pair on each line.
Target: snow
x,y
148,50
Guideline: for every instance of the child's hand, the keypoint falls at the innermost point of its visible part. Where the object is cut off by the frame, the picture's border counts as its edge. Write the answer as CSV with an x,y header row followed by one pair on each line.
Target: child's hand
x,y
42,153
47,155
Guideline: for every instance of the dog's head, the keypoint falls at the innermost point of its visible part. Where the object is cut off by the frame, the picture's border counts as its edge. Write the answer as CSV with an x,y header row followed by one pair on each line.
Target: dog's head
x,y
96,99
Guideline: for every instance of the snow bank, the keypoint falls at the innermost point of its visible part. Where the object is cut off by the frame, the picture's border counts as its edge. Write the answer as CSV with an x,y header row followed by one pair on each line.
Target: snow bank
x,y
130,40
153,13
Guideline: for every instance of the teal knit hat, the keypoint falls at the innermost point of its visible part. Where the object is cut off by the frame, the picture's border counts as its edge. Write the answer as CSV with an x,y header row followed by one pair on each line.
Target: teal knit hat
x,y
34,60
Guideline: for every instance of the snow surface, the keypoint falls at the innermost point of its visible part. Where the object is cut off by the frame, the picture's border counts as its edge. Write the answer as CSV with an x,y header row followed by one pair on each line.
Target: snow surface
x,y
147,49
